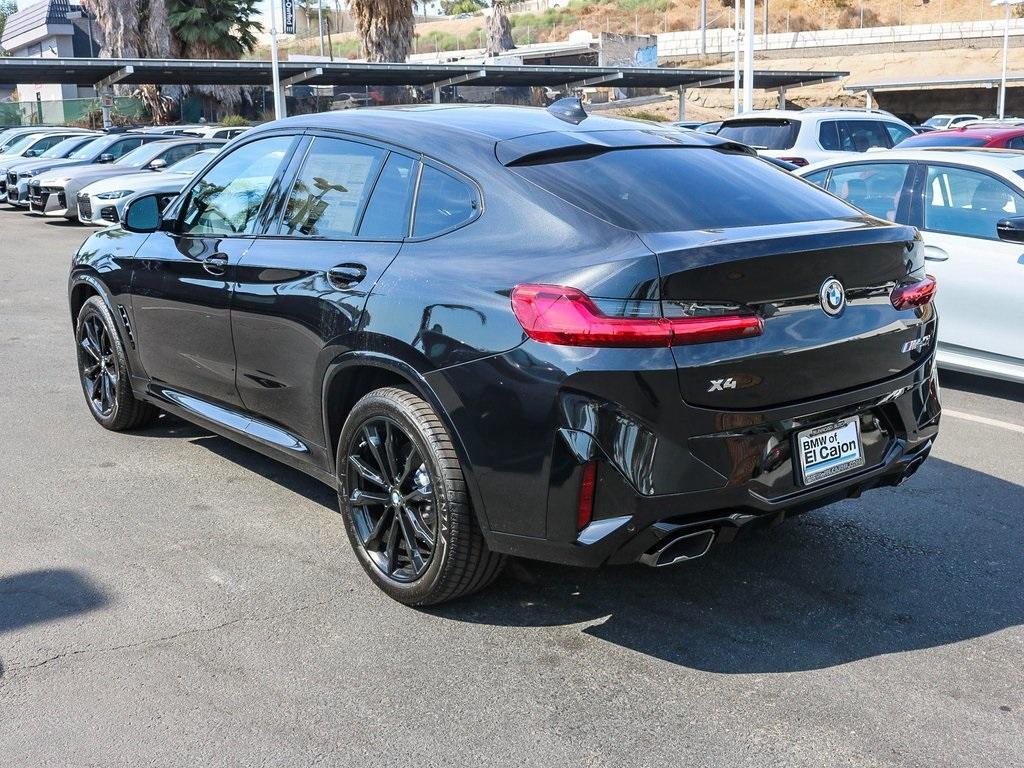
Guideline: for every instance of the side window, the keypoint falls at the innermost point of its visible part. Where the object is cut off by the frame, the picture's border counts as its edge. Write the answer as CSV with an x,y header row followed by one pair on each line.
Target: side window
x,y
818,177
331,189
897,132
387,213
45,144
226,200
828,135
1017,142
123,147
853,135
969,203
443,202
872,187
174,154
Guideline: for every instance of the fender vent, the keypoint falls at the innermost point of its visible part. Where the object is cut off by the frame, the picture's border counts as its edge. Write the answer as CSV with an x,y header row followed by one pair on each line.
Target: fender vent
x,y
127,324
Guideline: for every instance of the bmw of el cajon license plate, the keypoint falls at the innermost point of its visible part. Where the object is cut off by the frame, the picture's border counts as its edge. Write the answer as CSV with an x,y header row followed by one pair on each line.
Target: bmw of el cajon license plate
x,y
829,450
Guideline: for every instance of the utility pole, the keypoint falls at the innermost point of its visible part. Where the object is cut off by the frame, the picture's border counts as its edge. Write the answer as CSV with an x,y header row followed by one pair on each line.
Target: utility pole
x,y
736,60
275,75
703,27
748,63
320,23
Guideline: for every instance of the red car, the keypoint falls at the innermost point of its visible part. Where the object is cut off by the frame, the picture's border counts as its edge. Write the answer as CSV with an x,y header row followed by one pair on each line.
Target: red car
x,y
995,136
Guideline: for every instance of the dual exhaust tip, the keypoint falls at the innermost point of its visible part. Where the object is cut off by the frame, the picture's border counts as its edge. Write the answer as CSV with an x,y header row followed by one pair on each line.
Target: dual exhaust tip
x,y
679,549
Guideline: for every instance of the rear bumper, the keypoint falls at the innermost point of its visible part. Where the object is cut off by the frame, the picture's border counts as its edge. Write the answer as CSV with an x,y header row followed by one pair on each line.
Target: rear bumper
x,y
664,467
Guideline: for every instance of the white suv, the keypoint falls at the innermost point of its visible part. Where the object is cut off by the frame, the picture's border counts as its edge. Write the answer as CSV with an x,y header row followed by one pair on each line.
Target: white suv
x,y
812,135
939,122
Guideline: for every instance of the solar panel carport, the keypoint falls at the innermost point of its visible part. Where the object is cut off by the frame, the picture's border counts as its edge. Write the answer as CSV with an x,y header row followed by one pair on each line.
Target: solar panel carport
x,y
105,72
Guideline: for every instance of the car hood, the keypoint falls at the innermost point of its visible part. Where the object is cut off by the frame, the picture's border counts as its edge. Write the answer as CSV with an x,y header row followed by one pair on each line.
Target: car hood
x,y
147,181
56,166
87,174
20,163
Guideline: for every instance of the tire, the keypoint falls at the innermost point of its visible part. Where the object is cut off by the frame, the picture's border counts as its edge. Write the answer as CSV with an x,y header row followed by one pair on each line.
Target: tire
x,y
103,371
422,469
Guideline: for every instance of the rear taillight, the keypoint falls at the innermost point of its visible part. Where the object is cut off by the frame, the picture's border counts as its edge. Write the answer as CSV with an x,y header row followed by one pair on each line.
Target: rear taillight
x,y
800,161
588,484
556,314
916,294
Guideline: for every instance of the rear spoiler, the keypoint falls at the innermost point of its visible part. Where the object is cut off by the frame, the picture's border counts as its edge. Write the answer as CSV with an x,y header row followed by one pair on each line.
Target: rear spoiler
x,y
550,146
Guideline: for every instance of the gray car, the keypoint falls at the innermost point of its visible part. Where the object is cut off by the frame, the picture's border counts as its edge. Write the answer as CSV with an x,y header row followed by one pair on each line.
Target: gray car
x,y
14,175
58,190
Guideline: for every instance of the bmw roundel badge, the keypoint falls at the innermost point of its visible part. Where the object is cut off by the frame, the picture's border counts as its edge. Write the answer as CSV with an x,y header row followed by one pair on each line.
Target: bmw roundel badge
x,y
832,296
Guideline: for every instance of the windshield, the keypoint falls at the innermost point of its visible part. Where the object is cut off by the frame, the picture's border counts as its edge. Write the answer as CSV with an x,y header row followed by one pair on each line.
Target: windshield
x,y
20,143
943,139
84,153
763,134
938,121
640,189
192,163
63,148
141,156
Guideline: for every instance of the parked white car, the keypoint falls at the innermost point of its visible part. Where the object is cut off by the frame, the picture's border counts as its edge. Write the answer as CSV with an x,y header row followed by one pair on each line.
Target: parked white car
x,y
813,135
969,206
950,121
103,202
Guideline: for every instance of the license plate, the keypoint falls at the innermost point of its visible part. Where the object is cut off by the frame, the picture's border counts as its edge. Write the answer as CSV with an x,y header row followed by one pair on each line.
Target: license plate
x,y
829,450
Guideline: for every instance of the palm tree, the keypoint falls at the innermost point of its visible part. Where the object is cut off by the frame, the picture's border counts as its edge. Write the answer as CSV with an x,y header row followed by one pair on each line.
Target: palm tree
x,y
385,28
499,29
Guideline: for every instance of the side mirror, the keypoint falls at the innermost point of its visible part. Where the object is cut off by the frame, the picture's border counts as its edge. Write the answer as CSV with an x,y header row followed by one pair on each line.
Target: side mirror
x,y
106,157
142,215
33,153
158,165
1011,230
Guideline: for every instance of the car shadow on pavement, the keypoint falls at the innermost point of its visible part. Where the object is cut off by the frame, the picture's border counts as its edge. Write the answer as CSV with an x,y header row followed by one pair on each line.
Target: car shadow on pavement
x,y
48,594
933,562
982,385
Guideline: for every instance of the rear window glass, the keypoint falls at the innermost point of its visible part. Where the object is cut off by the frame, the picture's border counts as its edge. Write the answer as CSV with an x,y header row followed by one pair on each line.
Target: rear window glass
x,y
853,135
683,188
943,140
764,134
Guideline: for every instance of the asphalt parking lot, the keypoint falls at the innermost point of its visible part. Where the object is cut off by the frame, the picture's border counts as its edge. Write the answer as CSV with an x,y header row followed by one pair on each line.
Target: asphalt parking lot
x,y
168,598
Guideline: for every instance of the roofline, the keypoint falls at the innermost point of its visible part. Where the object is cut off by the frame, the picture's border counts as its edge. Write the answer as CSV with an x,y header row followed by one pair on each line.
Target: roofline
x,y
986,81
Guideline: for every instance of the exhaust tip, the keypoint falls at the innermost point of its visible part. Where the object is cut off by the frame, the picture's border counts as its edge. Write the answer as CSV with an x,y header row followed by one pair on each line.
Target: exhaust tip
x,y
679,549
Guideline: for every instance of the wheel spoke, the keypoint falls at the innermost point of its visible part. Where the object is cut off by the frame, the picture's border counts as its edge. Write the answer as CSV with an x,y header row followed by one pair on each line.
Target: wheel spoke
x,y
390,549
373,441
88,347
93,336
418,527
411,460
94,387
389,449
373,540
108,391
415,556
423,494
361,498
90,370
366,473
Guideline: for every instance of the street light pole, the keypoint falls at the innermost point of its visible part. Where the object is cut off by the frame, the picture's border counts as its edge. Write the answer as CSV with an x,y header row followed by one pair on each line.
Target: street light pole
x,y
736,62
276,76
1006,50
748,63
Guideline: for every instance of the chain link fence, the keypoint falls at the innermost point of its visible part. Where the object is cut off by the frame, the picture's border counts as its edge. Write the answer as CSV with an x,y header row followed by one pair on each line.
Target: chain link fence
x,y
85,113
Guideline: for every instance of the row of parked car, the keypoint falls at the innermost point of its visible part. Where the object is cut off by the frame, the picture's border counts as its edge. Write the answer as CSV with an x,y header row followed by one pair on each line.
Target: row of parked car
x,y
961,185
89,175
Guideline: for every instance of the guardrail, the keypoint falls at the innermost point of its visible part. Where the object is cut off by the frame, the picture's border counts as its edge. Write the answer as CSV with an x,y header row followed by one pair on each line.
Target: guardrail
x,y
722,41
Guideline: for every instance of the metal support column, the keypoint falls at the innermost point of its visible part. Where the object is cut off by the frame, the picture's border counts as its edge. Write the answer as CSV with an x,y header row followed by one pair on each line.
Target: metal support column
x,y
869,100
682,103
782,98
437,86
106,92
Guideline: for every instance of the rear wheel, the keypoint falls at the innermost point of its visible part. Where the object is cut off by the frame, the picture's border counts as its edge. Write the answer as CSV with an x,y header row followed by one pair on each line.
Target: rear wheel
x,y
103,369
403,496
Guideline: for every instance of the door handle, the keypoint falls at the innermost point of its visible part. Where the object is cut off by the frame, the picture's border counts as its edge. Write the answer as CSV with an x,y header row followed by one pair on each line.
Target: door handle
x,y
934,253
216,264
346,275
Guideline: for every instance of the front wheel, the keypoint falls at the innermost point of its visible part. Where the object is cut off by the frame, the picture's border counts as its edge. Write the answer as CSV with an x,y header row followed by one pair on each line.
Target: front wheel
x,y
103,369
403,496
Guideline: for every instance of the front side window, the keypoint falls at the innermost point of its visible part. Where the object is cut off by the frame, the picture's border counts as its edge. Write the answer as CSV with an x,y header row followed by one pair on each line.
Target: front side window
x,y
331,189
959,201
818,178
872,187
123,147
174,154
228,197
442,203
897,132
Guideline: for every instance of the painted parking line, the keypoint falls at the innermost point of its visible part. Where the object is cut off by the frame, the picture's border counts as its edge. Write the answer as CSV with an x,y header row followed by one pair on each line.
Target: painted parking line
x,y
984,420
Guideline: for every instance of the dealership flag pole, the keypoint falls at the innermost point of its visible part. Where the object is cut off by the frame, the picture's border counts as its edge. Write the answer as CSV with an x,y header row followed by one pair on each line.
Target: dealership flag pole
x,y
1006,50
736,61
748,63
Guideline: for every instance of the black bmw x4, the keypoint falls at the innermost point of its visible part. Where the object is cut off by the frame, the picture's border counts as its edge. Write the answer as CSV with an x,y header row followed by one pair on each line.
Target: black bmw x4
x,y
505,331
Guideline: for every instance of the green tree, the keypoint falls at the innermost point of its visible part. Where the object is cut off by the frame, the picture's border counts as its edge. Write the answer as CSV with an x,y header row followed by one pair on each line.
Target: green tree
x,y
7,7
214,29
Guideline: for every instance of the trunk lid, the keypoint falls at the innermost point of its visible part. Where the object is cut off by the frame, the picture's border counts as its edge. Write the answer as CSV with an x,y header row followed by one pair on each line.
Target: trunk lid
x,y
778,271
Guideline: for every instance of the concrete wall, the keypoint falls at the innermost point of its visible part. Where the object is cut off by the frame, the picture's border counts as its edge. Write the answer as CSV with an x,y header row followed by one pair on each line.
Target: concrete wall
x,y
722,41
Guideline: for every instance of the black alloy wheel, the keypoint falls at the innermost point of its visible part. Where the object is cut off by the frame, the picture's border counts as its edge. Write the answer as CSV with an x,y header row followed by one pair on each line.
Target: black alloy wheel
x,y
391,499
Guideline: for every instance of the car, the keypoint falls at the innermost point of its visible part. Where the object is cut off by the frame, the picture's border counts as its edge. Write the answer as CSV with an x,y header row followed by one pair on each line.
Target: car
x,y
502,330
711,126
813,135
15,173
103,202
31,145
217,131
968,205
949,121
991,136
64,184
51,198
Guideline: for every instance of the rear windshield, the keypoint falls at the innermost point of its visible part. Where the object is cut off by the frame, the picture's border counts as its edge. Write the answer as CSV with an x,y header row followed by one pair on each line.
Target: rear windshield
x,y
662,189
943,140
763,134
